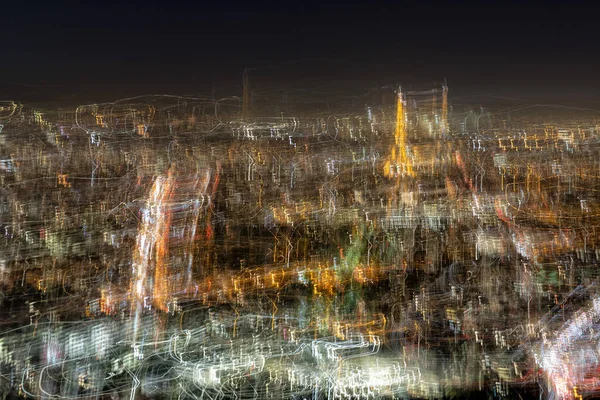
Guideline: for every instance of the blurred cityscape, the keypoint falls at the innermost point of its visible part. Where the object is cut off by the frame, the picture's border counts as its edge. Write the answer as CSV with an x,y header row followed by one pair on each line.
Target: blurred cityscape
x,y
389,245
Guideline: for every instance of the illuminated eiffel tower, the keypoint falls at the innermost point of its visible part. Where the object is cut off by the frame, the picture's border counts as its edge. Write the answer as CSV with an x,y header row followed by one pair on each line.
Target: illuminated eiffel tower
x,y
398,163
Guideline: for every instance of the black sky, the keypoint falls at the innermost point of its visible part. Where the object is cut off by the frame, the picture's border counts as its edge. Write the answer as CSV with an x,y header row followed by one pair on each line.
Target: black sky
x,y
108,49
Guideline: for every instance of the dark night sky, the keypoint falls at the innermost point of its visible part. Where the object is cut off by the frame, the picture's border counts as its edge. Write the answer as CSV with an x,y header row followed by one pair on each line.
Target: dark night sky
x,y
107,50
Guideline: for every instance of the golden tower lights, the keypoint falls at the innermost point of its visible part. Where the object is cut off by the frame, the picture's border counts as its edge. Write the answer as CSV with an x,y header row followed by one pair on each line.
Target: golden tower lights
x,y
445,109
399,162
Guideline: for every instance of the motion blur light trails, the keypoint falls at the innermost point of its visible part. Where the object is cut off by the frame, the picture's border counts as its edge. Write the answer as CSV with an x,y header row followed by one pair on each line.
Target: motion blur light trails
x,y
391,246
